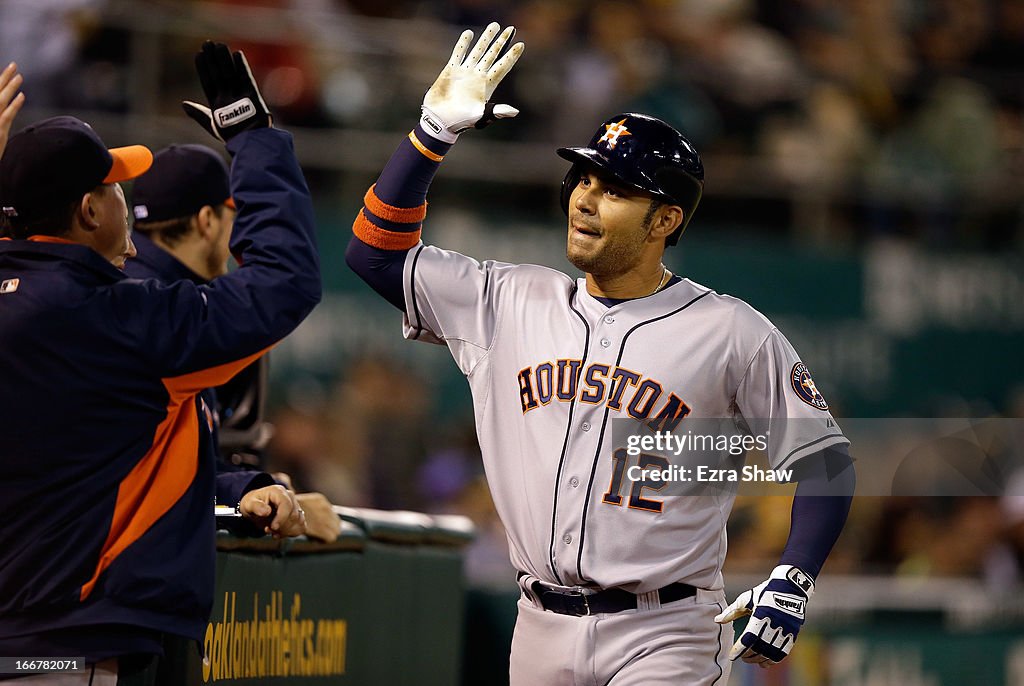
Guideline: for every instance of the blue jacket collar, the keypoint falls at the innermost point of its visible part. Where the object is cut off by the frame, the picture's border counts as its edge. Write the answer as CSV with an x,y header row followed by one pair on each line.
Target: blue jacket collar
x,y
69,252
154,262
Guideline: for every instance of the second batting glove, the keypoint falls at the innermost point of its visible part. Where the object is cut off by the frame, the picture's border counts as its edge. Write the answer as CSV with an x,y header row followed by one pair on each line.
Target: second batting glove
x,y
776,608
459,98
235,101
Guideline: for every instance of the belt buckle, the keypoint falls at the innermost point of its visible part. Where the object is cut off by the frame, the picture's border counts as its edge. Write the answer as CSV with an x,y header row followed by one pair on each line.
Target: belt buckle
x,y
579,591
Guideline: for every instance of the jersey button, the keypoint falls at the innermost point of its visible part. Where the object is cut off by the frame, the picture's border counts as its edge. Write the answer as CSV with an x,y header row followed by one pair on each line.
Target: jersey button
x,y
605,342
567,539
585,426
574,482
609,319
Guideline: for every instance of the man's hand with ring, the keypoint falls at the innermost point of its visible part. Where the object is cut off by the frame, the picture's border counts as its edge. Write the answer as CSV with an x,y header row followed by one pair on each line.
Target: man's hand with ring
x,y
275,510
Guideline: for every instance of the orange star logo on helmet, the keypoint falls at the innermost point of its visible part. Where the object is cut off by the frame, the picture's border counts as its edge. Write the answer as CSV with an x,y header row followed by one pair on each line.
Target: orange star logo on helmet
x,y
613,132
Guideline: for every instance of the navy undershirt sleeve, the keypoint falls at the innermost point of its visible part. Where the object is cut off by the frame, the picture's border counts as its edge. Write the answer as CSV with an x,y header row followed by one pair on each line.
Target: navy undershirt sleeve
x,y
403,183
380,269
820,507
406,178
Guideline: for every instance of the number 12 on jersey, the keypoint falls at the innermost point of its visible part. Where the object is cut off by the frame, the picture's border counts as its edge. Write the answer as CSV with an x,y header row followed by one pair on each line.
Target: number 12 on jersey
x,y
640,476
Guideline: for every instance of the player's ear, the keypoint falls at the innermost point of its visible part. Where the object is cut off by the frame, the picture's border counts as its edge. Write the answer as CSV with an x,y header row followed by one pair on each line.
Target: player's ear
x,y
204,219
88,211
667,218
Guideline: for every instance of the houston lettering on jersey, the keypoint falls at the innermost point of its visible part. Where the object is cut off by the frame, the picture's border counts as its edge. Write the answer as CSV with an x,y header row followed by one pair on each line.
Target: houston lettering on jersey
x,y
618,388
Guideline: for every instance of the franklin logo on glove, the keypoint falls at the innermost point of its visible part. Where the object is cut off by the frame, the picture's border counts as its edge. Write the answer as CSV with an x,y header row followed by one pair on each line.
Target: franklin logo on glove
x,y
235,103
431,124
790,604
234,113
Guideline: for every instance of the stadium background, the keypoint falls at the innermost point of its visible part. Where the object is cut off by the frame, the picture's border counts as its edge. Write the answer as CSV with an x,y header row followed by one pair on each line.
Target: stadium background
x,y
864,189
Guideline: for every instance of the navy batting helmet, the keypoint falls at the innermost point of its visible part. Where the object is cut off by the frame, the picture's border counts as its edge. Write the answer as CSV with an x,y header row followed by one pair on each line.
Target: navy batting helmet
x,y
645,153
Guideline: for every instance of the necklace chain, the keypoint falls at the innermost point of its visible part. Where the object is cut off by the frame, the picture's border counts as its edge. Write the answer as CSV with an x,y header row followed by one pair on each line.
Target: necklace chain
x,y
665,275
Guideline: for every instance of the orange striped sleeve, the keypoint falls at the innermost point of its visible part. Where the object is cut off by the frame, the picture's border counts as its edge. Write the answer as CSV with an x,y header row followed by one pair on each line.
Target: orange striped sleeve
x,y
165,472
424,150
399,215
373,235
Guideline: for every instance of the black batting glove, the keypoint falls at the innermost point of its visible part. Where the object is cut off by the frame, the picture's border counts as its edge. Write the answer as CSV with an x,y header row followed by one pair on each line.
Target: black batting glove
x,y
235,101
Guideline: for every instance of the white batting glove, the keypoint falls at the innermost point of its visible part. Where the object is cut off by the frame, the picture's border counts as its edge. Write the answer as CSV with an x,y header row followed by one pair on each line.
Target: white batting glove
x,y
458,100
777,608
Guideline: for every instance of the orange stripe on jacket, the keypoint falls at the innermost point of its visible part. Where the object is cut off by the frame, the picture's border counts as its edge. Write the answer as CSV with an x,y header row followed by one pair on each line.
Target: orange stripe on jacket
x,y
166,471
400,215
39,238
373,235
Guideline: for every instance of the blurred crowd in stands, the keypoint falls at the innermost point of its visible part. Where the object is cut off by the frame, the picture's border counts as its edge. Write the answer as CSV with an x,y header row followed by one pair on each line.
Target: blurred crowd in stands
x,y
845,119
850,117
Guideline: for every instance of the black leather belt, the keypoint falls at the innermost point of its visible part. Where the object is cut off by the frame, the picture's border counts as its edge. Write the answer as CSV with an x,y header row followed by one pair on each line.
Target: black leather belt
x,y
580,603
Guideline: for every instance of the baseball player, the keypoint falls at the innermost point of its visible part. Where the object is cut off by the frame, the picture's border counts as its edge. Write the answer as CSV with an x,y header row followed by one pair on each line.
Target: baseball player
x,y
618,586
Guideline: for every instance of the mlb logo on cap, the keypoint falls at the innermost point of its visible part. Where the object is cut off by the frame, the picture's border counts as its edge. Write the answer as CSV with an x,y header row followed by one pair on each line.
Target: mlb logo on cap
x,y
9,285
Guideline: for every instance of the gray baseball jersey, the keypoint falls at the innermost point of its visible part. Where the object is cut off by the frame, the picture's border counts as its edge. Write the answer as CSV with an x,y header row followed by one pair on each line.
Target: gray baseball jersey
x,y
550,367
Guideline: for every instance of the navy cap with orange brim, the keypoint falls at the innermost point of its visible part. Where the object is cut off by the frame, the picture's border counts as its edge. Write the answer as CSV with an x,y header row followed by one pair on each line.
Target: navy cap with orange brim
x,y
53,162
130,162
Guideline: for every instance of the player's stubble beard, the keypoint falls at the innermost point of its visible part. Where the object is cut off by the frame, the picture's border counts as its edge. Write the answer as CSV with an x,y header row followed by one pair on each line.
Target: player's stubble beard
x,y
618,253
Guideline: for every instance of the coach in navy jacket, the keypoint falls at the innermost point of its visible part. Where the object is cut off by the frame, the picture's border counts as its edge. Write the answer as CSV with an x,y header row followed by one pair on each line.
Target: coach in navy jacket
x,y
183,217
182,180
108,537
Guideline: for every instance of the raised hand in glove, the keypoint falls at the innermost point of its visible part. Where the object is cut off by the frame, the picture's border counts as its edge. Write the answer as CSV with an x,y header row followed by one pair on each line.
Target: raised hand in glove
x,y
459,98
777,610
235,102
